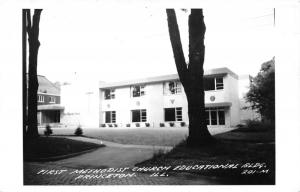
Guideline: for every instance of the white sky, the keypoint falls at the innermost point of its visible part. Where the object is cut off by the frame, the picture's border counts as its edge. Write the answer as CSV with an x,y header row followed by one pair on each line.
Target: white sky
x,y
117,43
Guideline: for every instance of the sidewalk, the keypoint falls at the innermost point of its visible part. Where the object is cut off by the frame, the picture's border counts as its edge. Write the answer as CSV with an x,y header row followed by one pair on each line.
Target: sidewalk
x,y
112,155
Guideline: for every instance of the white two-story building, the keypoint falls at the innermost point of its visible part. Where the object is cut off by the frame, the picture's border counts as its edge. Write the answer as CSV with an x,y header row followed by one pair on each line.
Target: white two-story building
x,y
161,101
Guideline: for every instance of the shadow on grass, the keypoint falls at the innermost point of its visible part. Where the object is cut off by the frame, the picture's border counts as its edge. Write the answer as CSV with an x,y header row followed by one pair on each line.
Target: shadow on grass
x,y
42,147
237,148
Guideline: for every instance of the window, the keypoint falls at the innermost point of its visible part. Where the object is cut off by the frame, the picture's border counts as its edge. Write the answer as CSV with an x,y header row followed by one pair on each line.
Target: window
x,y
219,83
173,114
211,83
215,116
172,87
139,115
109,94
40,98
52,100
137,90
110,116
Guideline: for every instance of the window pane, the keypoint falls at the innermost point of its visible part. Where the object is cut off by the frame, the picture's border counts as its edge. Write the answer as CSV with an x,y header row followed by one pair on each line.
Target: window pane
x,y
178,114
136,91
169,114
178,87
209,84
171,87
213,116
221,115
136,117
107,117
219,82
107,94
144,115
207,117
113,116
112,93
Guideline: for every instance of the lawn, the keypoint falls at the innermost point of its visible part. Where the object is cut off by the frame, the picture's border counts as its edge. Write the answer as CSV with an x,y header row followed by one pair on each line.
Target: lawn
x,y
47,147
162,136
235,147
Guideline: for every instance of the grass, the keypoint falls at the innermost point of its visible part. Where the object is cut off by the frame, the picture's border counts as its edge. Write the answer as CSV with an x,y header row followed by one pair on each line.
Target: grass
x,y
46,147
235,147
163,136
136,136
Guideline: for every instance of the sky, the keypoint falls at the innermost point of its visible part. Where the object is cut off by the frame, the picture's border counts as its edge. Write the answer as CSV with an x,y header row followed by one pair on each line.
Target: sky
x,y
117,43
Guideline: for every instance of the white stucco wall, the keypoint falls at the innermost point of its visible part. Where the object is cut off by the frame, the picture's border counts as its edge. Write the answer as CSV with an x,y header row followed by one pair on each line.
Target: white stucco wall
x,y
81,104
154,101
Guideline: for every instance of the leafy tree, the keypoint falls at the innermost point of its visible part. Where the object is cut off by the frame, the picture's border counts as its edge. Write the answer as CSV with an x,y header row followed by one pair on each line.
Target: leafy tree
x,y
191,74
261,95
33,44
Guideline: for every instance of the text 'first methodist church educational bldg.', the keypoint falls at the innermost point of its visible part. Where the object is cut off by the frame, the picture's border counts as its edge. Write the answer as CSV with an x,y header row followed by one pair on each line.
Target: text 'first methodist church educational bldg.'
x,y
153,102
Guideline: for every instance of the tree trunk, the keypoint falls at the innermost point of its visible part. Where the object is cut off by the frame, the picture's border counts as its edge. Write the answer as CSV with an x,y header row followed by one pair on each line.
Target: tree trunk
x,y
191,75
33,33
198,132
24,70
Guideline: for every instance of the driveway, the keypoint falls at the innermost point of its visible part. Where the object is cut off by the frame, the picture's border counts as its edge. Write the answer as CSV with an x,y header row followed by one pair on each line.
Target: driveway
x,y
114,155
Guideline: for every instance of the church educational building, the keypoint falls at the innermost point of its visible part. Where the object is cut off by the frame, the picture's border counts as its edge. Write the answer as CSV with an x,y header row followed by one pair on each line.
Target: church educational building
x,y
161,101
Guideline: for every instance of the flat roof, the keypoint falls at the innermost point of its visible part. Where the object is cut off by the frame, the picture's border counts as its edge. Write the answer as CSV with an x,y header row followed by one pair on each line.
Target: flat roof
x,y
157,79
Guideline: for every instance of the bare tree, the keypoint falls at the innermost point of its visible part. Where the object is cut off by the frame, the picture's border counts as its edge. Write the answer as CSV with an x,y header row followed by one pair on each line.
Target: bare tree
x,y
191,74
34,44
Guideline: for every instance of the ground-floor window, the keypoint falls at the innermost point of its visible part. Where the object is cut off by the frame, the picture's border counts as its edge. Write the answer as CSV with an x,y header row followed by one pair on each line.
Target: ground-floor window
x,y
215,116
139,115
110,116
48,116
173,114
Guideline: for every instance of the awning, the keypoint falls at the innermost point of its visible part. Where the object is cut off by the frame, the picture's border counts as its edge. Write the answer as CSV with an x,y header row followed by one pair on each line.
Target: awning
x,y
221,104
50,107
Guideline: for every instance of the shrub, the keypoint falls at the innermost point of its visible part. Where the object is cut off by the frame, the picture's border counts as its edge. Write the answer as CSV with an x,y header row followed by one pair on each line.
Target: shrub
x,y
182,124
147,124
161,124
110,125
137,124
172,124
240,126
116,125
48,130
103,125
127,125
78,131
255,126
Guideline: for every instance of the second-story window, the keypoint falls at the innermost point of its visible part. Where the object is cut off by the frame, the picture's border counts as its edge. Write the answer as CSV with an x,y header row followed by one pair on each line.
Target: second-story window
x,y
109,94
52,100
40,98
172,87
219,83
213,83
137,90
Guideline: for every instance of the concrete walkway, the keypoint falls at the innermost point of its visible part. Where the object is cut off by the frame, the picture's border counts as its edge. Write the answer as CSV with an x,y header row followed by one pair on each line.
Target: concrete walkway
x,y
112,155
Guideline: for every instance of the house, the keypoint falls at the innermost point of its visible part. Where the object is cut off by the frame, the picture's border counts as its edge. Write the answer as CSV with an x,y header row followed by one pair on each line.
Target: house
x,y
49,108
161,101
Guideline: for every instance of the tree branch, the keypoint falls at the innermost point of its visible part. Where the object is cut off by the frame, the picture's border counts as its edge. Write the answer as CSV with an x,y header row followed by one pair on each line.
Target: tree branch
x,y
176,45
